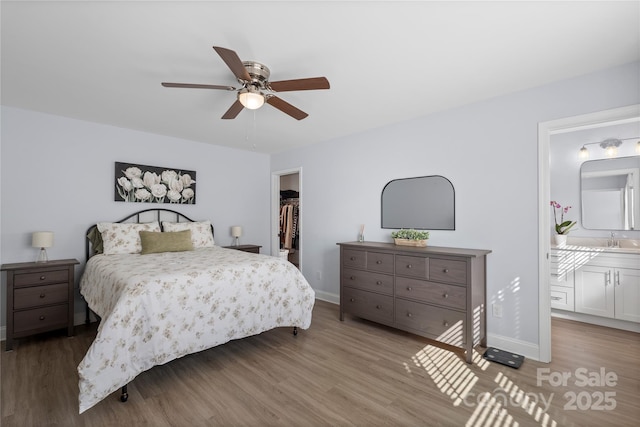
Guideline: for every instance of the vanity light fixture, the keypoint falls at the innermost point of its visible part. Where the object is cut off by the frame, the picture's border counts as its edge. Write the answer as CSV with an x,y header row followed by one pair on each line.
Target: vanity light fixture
x,y
609,145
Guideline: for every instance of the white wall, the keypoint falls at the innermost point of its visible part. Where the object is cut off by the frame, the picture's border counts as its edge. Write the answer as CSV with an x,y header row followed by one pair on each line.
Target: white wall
x,y
58,174
489,152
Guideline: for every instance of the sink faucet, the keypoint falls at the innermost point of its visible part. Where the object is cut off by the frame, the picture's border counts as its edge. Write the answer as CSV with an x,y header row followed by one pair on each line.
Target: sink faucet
x,y
612,243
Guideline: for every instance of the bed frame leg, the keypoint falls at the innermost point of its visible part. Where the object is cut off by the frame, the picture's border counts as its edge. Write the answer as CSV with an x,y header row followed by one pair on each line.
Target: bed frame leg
x,y
295,330
124,396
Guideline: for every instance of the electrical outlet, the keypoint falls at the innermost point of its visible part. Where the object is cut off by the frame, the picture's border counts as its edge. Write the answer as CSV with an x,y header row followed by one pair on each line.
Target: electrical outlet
x,y
497,310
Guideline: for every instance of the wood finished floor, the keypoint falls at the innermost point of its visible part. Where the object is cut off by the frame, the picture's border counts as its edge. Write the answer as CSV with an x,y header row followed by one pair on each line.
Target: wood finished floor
x,y
351,373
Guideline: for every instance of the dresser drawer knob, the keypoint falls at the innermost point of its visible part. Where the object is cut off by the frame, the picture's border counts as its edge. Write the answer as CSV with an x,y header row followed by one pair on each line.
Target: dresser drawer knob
x,y
43,277
445,270
379,282
41,317
352,258
378,262
409,315
445,295
352,299
445,323
409,266
409,288
352,278
42,295
378,306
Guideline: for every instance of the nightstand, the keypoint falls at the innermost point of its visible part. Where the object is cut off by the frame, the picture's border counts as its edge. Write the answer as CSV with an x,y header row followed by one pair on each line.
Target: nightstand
x,y
246,248
39,298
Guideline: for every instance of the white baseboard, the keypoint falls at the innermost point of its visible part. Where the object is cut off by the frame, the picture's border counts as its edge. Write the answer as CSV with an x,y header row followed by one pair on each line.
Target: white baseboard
x,y
524,348
328,297
596,320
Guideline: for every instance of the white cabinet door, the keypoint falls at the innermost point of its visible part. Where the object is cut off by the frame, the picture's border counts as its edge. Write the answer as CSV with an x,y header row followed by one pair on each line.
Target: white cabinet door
x,y
627,297
594,291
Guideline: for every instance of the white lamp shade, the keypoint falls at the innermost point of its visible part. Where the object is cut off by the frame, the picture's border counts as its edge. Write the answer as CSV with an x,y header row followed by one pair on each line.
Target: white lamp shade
x,y
42,239
236,231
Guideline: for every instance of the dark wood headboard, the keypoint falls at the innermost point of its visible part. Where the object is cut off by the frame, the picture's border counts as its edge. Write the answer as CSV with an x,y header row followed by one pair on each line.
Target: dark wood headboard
x,y
145,215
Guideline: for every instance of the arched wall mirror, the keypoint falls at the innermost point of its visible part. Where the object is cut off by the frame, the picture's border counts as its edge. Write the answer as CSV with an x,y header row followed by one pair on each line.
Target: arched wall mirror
x,y
425,203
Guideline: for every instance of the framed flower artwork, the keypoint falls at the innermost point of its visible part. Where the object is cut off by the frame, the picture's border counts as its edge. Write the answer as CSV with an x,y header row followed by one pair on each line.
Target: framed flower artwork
x,y
154,184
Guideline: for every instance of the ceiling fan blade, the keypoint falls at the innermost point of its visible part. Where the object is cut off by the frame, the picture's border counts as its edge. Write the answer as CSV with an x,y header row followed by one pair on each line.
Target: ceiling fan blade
x,y
312,83
197,86
286,108
233,111
233,62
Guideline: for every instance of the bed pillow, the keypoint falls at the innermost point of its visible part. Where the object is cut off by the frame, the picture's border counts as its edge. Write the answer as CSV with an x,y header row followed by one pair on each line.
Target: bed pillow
x,y
201,233
123,238
154,241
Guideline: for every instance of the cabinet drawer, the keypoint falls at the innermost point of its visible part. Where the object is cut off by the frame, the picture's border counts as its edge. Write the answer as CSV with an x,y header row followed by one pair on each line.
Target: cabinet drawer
x,y
35,296
434,322
368,305
562,298
430,292
44,277
353,258
412,266
40,319
447,270
377,261
368,281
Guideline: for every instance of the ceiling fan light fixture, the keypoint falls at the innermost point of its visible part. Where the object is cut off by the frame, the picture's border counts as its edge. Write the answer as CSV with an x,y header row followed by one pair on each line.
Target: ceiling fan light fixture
x,y
251,98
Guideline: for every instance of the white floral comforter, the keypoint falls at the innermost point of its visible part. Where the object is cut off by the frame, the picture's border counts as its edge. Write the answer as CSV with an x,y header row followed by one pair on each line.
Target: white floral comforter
x,y
159,307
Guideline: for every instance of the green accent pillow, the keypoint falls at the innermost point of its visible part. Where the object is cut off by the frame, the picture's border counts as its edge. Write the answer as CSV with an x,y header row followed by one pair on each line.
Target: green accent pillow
x,y
156,241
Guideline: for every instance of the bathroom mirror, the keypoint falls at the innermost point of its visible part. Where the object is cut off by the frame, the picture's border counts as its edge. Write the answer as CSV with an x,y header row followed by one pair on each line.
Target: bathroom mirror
x,y
425,203
610,190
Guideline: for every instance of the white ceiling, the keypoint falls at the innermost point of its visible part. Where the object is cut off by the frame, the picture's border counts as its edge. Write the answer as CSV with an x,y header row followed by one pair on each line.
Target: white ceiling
x,y
387,61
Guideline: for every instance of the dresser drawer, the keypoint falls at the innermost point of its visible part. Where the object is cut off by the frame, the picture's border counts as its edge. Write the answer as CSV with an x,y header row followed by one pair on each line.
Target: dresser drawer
x,y
41,278
448,270
354,258
35,296
367,280
41,319
368,305
412,266
431,292
434,322
377,261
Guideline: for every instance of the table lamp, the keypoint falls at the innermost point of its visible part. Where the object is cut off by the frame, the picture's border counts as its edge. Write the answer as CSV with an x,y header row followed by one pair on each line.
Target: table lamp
x,y
236,231
42,240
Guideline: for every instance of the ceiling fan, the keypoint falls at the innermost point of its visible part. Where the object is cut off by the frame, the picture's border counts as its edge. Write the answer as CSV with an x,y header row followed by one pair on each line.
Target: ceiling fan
x,y
256,88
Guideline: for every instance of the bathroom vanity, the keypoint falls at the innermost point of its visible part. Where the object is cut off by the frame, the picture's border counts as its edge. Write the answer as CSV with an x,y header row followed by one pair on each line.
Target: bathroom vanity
x,y
590,282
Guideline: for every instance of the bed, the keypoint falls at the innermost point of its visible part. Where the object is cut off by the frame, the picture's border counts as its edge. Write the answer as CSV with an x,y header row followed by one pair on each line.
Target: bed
x,y
159,302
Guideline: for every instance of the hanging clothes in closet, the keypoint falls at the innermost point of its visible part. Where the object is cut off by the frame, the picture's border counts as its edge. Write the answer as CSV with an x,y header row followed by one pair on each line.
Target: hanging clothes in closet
x,y
289,216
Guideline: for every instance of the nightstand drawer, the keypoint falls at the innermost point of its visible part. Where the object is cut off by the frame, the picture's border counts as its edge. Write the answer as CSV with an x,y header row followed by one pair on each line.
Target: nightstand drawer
x,y
41,319
41,278
447,270
35,296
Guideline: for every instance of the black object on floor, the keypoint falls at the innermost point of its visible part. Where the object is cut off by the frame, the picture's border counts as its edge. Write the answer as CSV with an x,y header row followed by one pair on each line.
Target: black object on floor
x,y
503,357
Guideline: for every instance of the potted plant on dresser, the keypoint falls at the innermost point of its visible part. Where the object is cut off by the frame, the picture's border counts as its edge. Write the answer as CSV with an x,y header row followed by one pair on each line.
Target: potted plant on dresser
x,y
410,237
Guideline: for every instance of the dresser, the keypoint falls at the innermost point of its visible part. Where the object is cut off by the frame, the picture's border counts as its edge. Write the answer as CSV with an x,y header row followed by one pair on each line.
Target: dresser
x,y
39,298
434,292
